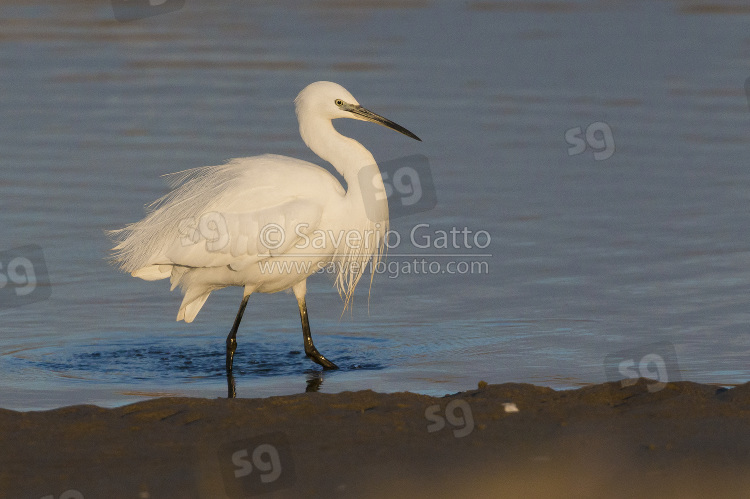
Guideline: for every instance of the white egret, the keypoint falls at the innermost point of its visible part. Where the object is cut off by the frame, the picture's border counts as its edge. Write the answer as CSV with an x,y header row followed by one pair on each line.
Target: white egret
x,y
267,223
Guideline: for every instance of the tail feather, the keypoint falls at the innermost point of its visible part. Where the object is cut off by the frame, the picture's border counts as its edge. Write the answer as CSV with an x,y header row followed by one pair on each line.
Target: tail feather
x,y
153,272
178,272
191,305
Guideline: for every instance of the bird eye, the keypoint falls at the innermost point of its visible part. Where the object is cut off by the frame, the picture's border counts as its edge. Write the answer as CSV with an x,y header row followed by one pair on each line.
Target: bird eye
x,y
339,102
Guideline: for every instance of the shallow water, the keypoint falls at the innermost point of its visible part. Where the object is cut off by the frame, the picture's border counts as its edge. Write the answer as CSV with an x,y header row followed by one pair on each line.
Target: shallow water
x,y
587,257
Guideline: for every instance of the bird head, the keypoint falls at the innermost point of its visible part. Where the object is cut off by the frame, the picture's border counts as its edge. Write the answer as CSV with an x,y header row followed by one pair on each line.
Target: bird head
x,y
332,101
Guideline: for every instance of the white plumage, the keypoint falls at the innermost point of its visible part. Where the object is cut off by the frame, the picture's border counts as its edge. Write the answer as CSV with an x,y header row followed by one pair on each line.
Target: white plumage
x,y
268,222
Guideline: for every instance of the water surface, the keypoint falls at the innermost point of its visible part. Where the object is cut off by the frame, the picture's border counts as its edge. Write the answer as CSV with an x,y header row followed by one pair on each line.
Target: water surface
x,y
587,257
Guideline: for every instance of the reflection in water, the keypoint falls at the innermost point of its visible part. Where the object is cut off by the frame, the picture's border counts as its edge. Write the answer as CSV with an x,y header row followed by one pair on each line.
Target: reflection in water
x,y
314,381
231,386
313,384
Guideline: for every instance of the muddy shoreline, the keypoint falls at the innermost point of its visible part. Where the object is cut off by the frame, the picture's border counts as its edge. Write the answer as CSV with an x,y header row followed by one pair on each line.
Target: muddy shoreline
x,y
607,440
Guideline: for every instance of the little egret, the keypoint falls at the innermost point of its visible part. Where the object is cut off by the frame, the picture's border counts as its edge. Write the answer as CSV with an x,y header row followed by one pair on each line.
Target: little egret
x,y
268,222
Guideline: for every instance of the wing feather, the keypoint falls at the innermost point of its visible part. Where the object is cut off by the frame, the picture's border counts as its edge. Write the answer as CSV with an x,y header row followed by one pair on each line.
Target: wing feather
x,y
226,215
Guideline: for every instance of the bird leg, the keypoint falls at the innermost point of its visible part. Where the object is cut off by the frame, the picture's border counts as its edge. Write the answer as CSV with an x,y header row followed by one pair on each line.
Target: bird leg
x,y
310,349
232,338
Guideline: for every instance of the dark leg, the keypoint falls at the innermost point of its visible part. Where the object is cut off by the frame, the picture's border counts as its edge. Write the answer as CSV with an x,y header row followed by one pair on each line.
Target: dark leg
x,y
310,349
232,338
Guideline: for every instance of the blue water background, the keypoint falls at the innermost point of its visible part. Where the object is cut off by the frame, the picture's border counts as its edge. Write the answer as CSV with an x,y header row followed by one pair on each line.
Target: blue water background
x,y
587,257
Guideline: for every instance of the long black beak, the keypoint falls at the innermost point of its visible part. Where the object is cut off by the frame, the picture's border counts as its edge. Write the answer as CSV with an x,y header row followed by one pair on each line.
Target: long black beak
x,y
367,115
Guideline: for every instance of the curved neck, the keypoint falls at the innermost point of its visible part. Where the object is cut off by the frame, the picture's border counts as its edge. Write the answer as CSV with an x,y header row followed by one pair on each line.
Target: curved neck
x,y
346,155
365,190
